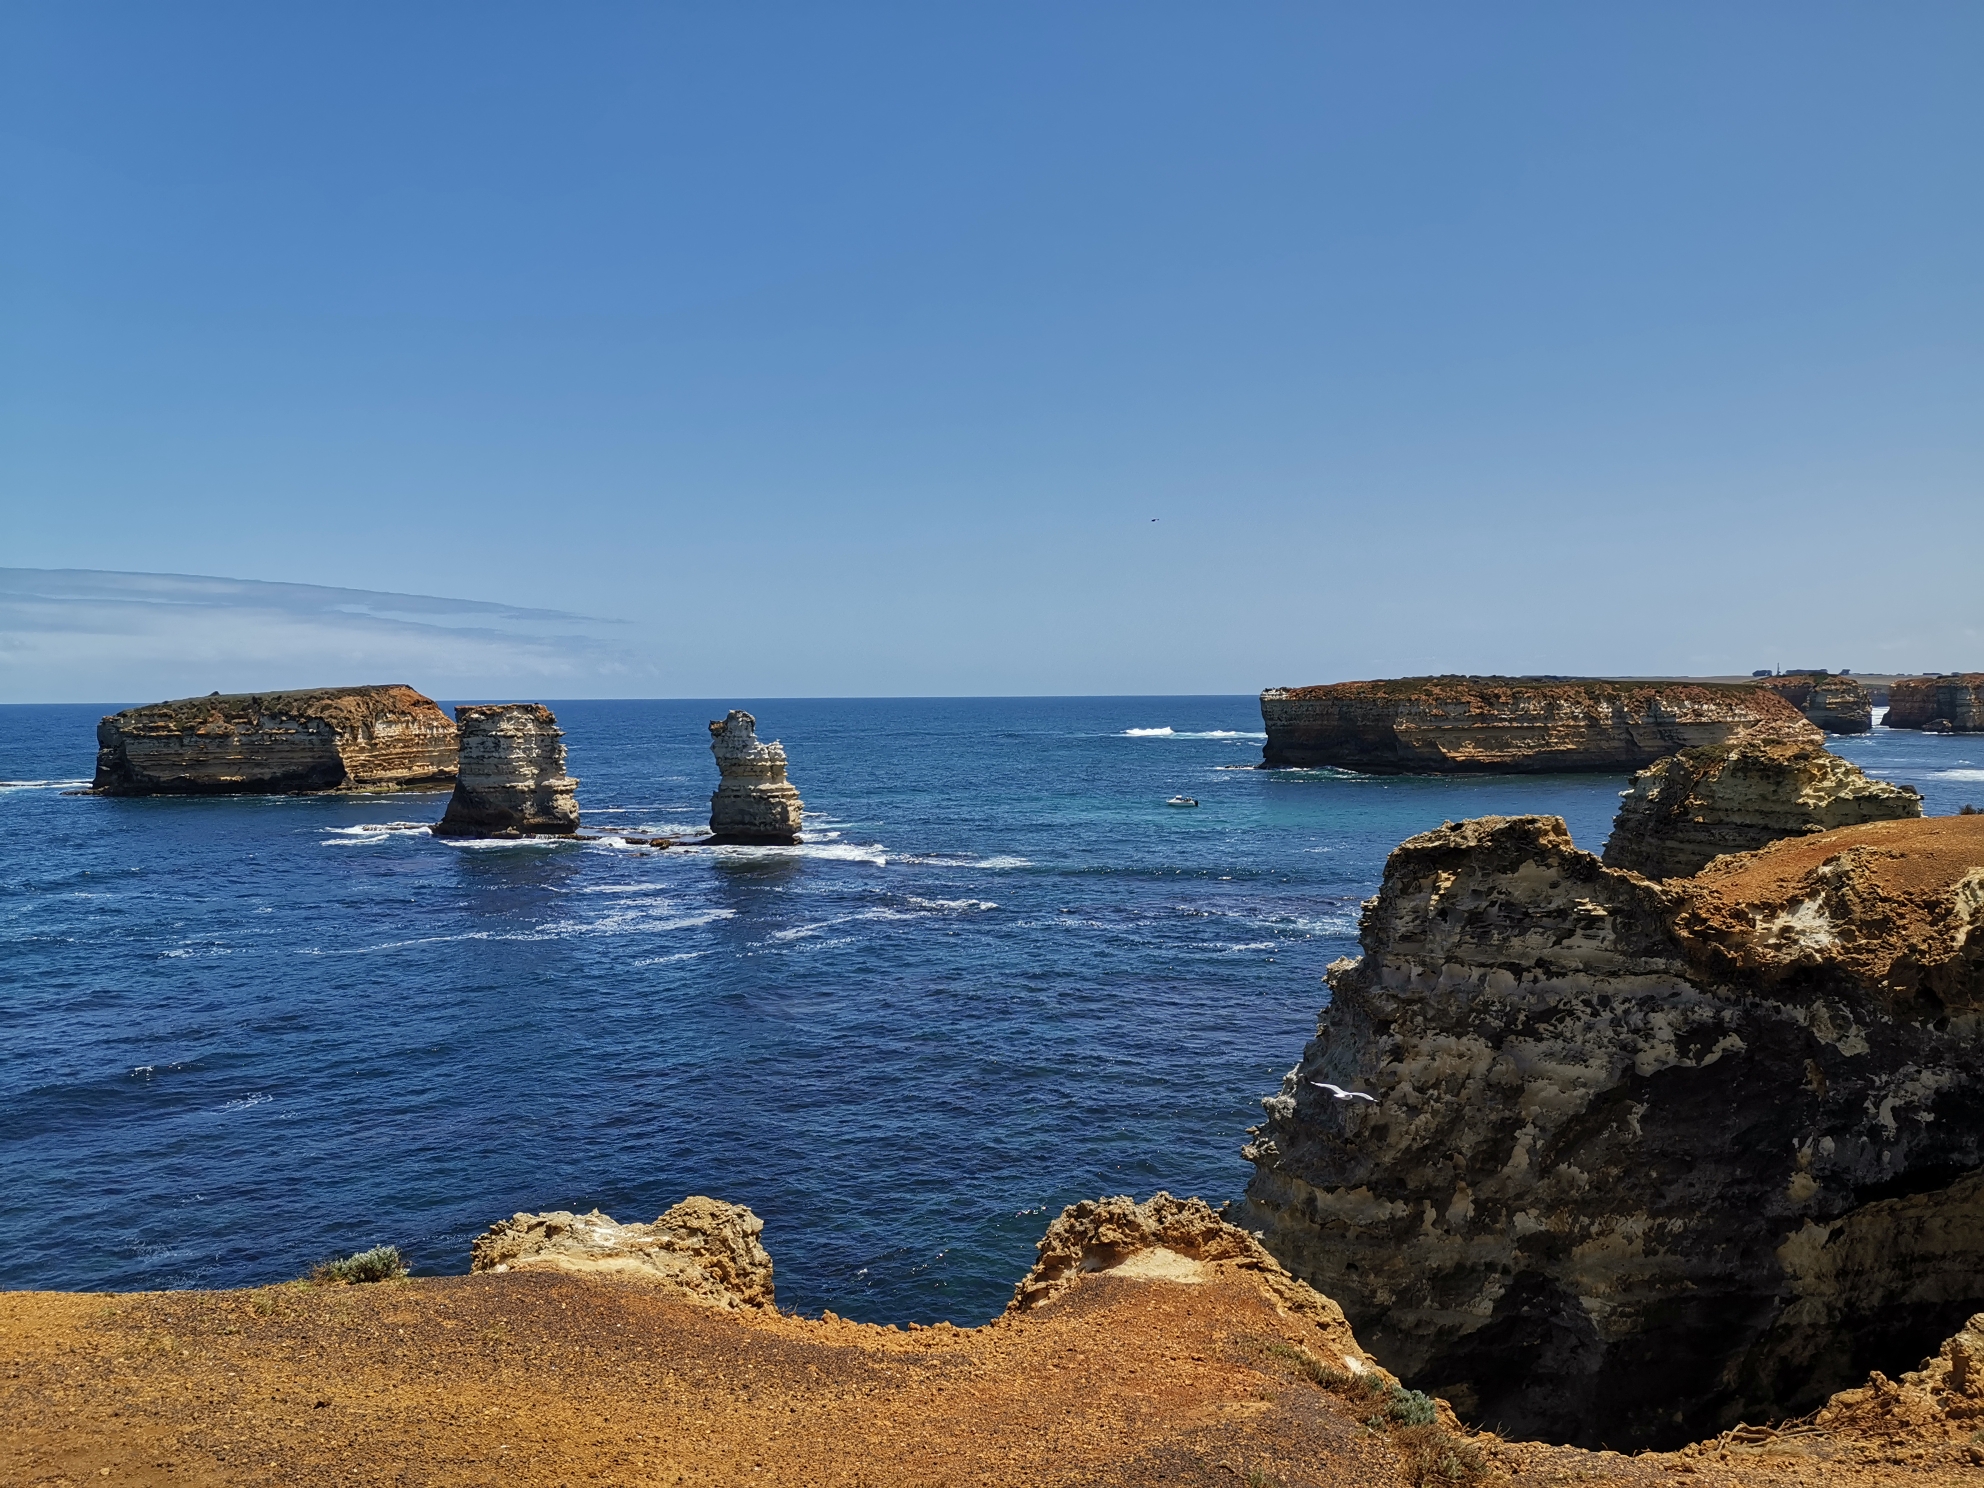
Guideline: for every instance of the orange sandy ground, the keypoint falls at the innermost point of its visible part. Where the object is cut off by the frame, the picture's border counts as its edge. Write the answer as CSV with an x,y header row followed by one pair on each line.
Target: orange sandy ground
x,y
545,1378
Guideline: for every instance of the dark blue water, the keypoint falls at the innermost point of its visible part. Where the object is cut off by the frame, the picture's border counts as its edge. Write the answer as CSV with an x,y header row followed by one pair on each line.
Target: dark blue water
x,y
241,1035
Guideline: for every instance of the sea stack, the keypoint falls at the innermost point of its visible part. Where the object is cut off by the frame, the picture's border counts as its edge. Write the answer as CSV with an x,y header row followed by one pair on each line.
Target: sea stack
x,y
277,743
1694,806
513,781
753,802
1839,705
1643,1160
1941,705
1478,725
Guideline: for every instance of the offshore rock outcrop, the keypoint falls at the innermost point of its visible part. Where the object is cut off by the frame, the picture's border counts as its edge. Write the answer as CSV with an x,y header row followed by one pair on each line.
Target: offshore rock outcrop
x,y
513,781
1839,705
702,1250
1943,704
1693,806
1645,1159
1454,725
753,801
277,743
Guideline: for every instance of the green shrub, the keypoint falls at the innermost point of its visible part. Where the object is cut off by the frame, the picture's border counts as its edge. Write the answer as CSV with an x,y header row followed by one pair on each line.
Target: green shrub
x,y
380,1263
1435,1458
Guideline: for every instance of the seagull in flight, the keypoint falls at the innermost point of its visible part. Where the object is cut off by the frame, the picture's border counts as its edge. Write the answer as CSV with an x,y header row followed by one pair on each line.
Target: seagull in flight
x,y
1341,1094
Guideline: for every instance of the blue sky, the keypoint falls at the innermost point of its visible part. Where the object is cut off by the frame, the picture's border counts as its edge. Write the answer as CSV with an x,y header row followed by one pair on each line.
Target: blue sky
x,y
852,349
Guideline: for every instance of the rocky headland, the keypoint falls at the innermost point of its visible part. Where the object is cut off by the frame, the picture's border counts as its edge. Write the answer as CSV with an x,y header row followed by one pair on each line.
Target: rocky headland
x,y
1684,810
512,781
1457,725
277,743
1836,704
1953,704
1646,1160
1151,1344
753,803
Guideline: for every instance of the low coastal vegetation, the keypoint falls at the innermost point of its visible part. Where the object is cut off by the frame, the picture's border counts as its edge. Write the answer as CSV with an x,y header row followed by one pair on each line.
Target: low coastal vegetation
x,y
380,1263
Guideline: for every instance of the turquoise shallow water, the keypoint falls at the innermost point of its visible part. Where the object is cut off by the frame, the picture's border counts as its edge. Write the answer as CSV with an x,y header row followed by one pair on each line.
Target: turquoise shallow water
x,y
239,1035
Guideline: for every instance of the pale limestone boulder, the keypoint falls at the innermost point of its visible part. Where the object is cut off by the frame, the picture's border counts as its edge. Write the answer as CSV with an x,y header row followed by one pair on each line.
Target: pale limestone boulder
x,y
753,802
702,1250
512,781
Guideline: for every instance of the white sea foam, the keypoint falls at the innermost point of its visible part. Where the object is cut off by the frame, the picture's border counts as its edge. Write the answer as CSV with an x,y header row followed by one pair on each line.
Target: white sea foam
x,y
21,785
665,960
374,832
953,906
832,852
1171,733
1956,774
246,1101
638,918
960,860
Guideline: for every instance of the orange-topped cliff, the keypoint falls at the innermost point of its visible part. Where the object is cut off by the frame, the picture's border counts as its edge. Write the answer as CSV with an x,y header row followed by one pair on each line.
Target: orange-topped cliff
x,y
277,743
1452,725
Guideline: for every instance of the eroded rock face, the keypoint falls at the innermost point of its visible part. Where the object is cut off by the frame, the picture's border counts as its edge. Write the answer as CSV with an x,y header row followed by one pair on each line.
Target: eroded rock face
x,y
1839,705
1646,1158
277,743
753,801
513,781
1456,725
1690,807
1943,704
702,1250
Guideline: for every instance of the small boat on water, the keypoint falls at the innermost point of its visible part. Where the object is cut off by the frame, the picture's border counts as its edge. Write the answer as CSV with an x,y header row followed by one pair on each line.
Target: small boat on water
x,y
1181,801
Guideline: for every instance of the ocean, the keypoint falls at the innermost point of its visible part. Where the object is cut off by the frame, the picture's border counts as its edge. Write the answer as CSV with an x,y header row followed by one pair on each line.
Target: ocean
x,y
1000,975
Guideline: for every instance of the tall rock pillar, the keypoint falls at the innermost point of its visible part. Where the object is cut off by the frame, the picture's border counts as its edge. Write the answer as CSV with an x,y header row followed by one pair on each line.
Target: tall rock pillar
x,y
754,802
512,781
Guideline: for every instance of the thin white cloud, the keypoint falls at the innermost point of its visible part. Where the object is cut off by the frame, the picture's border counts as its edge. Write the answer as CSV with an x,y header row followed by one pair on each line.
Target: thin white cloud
x,y
84,635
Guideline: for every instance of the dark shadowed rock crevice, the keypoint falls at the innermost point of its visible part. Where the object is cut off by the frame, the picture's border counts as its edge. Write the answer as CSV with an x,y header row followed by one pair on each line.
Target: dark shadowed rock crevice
x,y
1647,1158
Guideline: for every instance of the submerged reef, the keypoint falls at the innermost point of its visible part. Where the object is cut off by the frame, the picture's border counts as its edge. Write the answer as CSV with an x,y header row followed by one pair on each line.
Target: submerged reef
x,y
1458,725
1645,1159
1689,808
753,801
513,781
277,743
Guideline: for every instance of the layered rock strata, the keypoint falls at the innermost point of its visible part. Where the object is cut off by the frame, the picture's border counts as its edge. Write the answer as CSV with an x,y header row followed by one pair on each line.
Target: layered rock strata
x,y
1691,807
1645,1159
277,743
1457,725
513,781
1838,705
753,801
1943,704
702,1250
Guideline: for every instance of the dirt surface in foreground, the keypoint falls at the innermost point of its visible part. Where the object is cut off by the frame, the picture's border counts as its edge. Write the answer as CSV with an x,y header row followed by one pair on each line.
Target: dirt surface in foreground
x,y
545,1378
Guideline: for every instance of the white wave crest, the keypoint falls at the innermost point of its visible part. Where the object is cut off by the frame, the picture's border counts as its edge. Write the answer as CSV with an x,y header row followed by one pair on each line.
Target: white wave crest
x,y
246,1101
21,785
953,906
1171,733
1956,774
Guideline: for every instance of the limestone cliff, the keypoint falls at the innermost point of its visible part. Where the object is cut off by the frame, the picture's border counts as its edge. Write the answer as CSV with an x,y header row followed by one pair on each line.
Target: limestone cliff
x,y
1690,807
513,781
1645,1159
1839,705
277,743
1953,704
702,1250
1481,724
753,800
